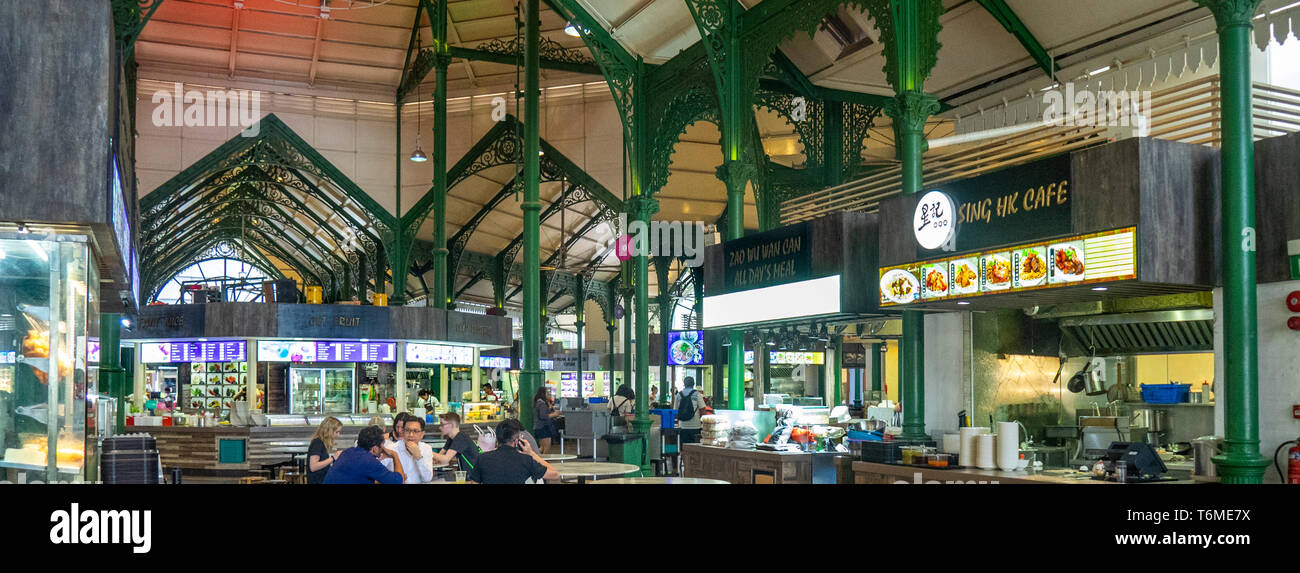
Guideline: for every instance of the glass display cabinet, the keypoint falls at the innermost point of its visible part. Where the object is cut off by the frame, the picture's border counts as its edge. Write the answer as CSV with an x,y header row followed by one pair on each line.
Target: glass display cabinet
x,y
49,292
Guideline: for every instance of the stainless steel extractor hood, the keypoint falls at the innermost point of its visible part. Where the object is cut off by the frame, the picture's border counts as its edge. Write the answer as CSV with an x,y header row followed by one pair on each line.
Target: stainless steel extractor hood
x,y
1143,332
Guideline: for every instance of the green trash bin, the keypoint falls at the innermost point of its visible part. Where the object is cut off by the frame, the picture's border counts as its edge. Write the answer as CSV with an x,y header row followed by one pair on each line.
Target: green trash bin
x,y
626,449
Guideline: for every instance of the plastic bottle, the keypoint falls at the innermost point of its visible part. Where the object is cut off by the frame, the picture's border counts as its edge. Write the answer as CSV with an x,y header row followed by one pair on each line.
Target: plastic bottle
x,y
1205,392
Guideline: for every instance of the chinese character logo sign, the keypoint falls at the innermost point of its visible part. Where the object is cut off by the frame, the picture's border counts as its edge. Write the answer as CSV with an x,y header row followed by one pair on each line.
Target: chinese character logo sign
x,y
933,221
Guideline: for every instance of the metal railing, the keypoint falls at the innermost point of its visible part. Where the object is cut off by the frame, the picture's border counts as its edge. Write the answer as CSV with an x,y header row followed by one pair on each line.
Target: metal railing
x,y
1189,113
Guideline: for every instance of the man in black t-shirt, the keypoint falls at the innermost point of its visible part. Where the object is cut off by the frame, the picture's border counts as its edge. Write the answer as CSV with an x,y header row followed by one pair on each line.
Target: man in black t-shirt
x,y
513,462
458,447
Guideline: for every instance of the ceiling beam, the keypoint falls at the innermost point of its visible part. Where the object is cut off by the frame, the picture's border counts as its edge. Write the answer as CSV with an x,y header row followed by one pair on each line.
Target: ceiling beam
x,y
315,50
234,35
1009,20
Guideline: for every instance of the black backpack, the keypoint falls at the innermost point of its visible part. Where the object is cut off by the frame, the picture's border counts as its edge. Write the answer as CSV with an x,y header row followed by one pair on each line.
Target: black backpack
x,y
686,409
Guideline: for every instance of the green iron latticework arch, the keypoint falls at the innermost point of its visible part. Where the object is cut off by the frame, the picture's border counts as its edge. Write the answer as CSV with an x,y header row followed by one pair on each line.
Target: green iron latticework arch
x,y
502,146
276,196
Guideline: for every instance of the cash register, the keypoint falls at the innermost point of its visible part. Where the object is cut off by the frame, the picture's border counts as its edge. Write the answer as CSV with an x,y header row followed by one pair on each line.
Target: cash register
x,y
1140,462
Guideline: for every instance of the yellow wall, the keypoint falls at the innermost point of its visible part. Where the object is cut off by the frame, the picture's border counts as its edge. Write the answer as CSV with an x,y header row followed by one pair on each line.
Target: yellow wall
x,y
890,366
1185,368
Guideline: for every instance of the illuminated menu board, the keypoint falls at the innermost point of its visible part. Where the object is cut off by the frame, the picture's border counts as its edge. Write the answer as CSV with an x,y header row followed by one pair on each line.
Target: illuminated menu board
x,y
494,361
783,357
545,364
173,352
1099,257
439,354
569,385
325,351
356,352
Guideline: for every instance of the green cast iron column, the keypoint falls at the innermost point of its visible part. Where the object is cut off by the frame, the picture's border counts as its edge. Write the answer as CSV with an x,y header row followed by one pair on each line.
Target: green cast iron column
x,y
877,367
839,367
909,111
1240,461
628,311
531,376
910,29
644,208
611,328
580,324
442,283
665,320
112,377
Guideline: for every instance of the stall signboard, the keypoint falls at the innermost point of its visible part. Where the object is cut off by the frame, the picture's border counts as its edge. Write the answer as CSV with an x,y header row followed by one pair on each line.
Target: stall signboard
x,y
1098,257
1015,204
774,257
175,352
439,354
332,321
783,357
356,351
494,362
9,357
325,351
686,348
545,364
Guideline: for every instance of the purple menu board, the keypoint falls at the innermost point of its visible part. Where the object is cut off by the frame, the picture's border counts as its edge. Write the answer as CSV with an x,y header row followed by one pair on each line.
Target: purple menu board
x,y
356,352
218,351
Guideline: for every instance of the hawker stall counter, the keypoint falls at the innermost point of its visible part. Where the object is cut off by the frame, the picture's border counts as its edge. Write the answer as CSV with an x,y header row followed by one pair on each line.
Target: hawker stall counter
x,y
758,466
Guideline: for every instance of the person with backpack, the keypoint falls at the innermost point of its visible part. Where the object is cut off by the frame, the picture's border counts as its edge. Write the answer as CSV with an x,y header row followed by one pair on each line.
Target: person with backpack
x,y
624,402
690,406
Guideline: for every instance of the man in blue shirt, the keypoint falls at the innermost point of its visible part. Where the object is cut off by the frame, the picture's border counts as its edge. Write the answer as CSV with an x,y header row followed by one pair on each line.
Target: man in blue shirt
x,y
361,464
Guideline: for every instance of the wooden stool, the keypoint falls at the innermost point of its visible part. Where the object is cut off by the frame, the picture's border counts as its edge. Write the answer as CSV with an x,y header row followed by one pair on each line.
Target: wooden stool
x,y
272,481
294,477
252,479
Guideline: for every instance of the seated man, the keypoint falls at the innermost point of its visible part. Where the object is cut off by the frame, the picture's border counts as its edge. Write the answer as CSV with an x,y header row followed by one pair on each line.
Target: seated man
x,y
513,462
415,455
361,464
459,447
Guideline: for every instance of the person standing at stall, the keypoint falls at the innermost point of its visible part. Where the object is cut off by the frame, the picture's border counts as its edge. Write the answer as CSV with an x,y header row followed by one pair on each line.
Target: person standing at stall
x,y
459,448
319,456
689,406
513,462
623,405
361,465
544,414
415,455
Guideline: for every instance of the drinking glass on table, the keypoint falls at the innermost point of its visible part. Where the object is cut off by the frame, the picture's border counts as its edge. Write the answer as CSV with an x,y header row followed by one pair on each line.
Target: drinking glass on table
x,y
460,476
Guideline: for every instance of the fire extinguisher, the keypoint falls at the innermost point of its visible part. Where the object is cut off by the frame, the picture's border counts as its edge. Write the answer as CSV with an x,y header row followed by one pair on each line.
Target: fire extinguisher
x,y
1293,462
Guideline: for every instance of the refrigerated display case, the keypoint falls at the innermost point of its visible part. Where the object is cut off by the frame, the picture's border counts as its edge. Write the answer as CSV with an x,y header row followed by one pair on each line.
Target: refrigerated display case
x,y
340,385
321,390
49,294
480,412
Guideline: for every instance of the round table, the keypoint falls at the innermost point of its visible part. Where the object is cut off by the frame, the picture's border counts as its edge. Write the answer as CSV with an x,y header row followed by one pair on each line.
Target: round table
x,y
558,457
663,480
594,470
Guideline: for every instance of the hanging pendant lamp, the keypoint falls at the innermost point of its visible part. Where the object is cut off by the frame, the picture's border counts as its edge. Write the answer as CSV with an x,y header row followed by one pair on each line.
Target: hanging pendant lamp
x,y
418,155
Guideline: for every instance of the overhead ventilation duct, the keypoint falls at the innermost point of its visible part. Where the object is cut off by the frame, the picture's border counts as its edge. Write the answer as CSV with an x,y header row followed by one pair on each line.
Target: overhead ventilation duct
x,y
1144,332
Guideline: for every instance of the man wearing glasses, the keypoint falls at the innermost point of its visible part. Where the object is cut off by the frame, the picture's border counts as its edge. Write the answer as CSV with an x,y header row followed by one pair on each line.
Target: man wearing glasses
x,y
459,447
415,455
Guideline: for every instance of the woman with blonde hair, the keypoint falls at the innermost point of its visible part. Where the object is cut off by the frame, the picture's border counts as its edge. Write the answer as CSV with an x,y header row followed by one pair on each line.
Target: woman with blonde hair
x,y
319,458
